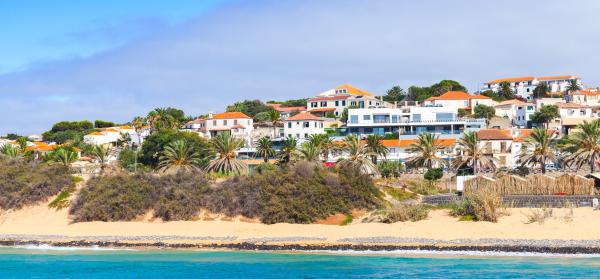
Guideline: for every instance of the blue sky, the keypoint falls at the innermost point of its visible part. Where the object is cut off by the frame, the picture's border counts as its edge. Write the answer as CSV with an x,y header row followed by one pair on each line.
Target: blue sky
x,y
113,60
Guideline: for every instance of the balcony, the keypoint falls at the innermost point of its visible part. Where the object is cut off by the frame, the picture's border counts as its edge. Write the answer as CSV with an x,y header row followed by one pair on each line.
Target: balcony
x,y
438,132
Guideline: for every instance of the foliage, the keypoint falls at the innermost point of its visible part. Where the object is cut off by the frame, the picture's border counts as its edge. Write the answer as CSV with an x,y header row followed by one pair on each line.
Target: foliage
x,y
290,103
506,91
545,114
262,116
357,156
23,183
67,131
419,94
225,146
424,152
264,167
482,205
179,156
394,94
324,145
155,143
461,112
541,90
573,86
309,151
399,194
391,136
12,136
166,118
406,212
483,111
103,124
128,161
264,149
494,95
376,147
421,187
62,200
434,174
288,150
472,155
538,149
538,215
101,154
390,168
11,151
584,145
64,156
250,107
344,116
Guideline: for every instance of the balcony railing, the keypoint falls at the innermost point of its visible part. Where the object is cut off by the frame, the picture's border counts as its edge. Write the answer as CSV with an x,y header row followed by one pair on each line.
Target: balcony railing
x,y
441,132
399,121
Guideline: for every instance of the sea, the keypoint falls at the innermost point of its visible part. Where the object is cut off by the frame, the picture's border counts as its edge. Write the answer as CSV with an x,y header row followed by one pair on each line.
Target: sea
x,y
57,262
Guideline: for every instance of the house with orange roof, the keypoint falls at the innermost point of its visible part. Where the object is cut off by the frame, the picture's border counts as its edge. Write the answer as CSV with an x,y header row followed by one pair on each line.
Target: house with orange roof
x,y
112,135
235,123
286,112
517,111
588,97
459,100
524,86
303,125
333,102
398,149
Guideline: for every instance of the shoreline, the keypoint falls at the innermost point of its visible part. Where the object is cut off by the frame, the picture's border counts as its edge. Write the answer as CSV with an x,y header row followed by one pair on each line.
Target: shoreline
x,y
554,247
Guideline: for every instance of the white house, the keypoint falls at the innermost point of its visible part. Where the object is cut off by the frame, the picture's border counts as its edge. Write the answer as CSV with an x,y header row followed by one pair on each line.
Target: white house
x,y
335,100
286,112
398,149
588,97
459,100
524,86
236,123
572,114
112,135
517,111
303,125
498,144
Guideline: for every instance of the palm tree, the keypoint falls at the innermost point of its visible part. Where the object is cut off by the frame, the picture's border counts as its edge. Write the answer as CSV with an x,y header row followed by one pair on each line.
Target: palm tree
x,y
275,119
225,145
160,118
10,151
264,149
358,156
584,145
178,155
101,154
309,152
573,86
64,156
538,148
472,156
324,144
138,124
289,148
424,151
375,146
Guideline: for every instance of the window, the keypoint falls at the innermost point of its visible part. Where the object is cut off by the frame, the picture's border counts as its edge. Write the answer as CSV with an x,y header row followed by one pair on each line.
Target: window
x,y
503,147
225,122
337,103
290,125
353,118
235,122
305,135
306,124
321,124
366,117
394,118
324,104
353,103
337,113
297,135
214,122
313,104
444,116
416,117
343,103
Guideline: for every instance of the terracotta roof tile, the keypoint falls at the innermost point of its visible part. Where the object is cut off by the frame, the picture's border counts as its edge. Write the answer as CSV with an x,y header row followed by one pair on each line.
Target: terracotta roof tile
x,y
511,102
494,134
354,91
513,79
556,77
229,115
457,95
304,116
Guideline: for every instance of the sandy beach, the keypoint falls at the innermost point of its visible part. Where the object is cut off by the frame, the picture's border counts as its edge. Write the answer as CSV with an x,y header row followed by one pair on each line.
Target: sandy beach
x,y
42,221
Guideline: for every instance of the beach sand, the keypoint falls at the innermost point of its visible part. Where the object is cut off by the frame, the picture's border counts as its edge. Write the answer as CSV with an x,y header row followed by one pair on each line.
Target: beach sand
x,y
40,220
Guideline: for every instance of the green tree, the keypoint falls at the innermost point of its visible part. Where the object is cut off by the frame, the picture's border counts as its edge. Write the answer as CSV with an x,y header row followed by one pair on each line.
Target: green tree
x,y
483,111
179,156
446,85
424,152
10,151
585,144
288,150
573,86
166,118
324,143
262,117
545,114
225,146
344,116
495,96
102,155
394,94
103,124
249,107
65,156
433,175
375,146
309,152
538,149
505,91
541,90
357,156
472,155
462,112
68,131
264,149
155,143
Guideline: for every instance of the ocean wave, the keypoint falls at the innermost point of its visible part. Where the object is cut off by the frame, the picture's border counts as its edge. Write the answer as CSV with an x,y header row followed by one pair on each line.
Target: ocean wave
x,y
453,253
60,248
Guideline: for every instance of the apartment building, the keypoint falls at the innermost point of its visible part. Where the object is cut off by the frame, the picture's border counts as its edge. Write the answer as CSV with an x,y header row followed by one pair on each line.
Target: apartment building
x,y
410,122
517,111
303,125
459,100
588,97
236,123
334,101
524,86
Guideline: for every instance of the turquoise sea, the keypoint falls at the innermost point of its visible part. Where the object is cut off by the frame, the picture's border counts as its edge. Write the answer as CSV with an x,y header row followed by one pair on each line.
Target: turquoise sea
x,y
35,262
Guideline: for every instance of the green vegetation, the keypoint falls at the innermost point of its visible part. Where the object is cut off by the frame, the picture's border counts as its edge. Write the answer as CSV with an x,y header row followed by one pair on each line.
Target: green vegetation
x,y
540,149
66,131
399,193
406,212
250,107
483,111
179,156
389,169
472,156
419,94
584,145
394,94
358,156
225,146
482,205
433,175
424,152
23,183
103,124
166,118
158,140
348,220
545,114
290,103
264,149
62,200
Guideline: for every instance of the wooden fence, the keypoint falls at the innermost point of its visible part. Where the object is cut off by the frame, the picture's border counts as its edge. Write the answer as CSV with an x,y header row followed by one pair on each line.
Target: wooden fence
x,y
535,184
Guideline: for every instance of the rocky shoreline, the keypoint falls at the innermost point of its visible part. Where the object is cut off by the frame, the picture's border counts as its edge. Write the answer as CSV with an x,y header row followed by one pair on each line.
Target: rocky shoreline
x,y
307,244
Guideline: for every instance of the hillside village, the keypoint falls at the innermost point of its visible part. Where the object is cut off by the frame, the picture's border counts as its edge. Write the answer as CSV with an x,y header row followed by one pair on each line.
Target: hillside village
x,y
502,116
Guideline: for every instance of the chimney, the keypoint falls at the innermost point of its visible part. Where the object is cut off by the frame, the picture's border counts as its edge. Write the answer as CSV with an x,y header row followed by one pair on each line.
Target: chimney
x,y
210,115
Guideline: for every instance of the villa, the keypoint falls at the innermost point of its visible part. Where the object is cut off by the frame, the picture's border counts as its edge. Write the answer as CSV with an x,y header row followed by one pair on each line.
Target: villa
x,y
524,86
303,125
236,123
334,101
112,135
459,100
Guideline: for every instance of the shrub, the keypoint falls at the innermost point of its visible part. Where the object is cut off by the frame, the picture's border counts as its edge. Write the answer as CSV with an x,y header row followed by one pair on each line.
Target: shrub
x,y
23,183
406,212
421,187
481,205
538,215
433,175
263,167
389,169
399,193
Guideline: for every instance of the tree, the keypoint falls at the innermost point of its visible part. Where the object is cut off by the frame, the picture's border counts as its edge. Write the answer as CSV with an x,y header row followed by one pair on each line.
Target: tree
x,y
538,149
225,146
483,111
68,131
324,144
462,112
10,151
249,107
545,114
155,143
584,144
179,156
138,124
573,86
289,148
166,118
424,152
541,90
472,156
262,117
103,124
433,175
102,155
290,103
65,156
375,146
309,152
505,91
275,119
394,94
264,149
495,96
358,156
446,85
344,116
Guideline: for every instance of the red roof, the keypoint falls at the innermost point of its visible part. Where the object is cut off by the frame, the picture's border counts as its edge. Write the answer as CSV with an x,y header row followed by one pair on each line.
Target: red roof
x,y
279,108
304,116
229,115
513,79
457,95
494,134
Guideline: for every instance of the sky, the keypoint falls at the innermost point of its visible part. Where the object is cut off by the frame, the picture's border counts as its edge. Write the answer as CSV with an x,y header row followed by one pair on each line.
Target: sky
x,y
116,59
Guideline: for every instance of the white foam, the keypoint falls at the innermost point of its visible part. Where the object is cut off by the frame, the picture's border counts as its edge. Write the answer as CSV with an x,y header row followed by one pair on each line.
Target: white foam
x,y
57,248
455,253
